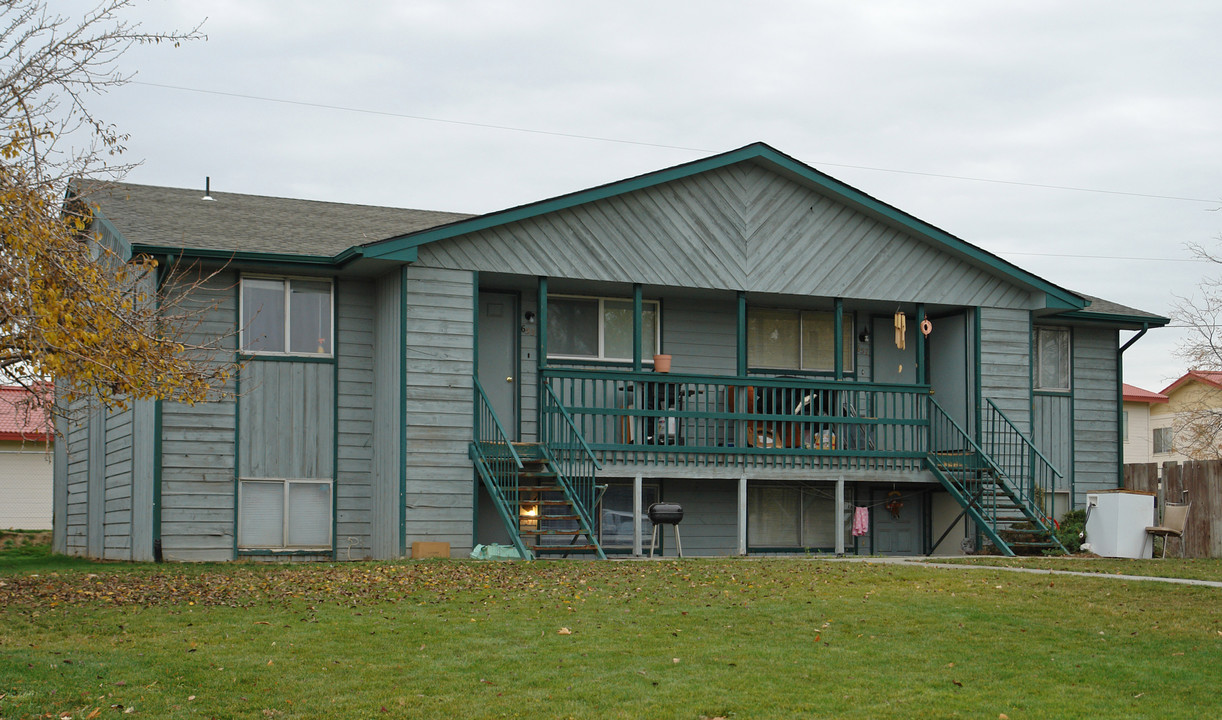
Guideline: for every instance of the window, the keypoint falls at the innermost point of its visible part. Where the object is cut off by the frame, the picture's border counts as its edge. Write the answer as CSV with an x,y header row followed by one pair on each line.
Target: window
x,y
797,340
585,328
790,516
281,315
615,514
1164,440
1052,369
284,514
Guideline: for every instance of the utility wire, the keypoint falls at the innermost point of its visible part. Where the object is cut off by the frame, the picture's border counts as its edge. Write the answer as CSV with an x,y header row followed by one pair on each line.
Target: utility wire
x,y
597,138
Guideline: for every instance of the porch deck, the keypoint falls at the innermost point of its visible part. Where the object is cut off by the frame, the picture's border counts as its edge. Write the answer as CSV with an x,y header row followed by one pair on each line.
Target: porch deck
x,y
800,423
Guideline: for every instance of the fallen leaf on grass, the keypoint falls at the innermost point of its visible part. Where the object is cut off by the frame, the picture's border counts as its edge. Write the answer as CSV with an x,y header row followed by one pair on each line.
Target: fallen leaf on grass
x,y
564,631
1003,716
957,683
675,660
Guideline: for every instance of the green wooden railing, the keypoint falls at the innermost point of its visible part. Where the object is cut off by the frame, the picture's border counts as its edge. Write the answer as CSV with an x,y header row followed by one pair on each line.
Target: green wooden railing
x,y
571,457
673,418
498,464
966,473
1033,476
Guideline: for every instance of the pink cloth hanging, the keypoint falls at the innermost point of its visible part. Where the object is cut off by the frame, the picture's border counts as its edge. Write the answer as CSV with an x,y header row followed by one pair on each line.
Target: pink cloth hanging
x,y
861,521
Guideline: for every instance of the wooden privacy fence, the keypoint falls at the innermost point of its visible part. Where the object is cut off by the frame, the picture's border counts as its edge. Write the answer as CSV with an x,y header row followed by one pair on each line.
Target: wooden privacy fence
x,y
1203,482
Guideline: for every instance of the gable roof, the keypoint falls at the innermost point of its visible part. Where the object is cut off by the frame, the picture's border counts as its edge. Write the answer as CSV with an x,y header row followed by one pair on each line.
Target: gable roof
x,y
1208,377
404,247
1132,393
161,220
20,418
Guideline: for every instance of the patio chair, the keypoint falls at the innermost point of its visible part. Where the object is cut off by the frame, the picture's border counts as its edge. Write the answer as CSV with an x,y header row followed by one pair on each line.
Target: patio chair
x,y
1175,518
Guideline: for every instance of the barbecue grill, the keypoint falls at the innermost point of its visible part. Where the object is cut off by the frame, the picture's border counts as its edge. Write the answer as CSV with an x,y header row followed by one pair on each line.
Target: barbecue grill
x,y
663,513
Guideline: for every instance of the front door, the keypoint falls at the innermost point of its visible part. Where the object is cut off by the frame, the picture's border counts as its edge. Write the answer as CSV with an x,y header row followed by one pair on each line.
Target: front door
x,y
948,367
898,522
498,356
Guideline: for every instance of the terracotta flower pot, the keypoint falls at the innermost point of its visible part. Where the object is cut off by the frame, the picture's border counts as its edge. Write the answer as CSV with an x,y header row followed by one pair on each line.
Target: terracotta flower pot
x,y
661,363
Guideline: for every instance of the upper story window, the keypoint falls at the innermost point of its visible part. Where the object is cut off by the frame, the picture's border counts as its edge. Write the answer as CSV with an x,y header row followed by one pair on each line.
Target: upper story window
x,y
797,340
286,315
1052,353
591,328
1164,440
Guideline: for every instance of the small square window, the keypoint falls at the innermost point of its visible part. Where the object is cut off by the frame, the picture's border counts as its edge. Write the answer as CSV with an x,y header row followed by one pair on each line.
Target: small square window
x,y
1052,359
283,315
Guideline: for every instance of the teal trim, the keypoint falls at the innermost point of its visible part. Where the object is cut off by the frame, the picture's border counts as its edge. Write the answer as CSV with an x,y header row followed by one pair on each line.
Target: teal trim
x,y
402,411
244,257
922,360
162,266
1122,321
637,325
260,357
275,552
838,340
757,153
335,421
540,353
1073,420
741,333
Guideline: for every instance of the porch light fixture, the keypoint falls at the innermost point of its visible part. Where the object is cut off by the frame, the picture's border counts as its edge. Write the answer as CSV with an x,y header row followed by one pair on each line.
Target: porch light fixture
x,y
864,335
530,317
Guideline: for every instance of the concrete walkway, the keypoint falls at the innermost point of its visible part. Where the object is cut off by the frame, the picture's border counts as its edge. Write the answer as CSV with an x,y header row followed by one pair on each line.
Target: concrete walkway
x,y
931,563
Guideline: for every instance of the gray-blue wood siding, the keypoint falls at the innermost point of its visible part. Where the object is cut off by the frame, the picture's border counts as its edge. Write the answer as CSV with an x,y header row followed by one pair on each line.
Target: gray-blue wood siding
x,y
387,399
735,228
1095,392
439,360
1053,433
287,420
197,462
1005,362
354,462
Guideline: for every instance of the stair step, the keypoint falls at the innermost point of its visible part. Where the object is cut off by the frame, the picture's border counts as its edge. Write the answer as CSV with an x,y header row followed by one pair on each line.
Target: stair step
x,y
565,549
548,503
533,533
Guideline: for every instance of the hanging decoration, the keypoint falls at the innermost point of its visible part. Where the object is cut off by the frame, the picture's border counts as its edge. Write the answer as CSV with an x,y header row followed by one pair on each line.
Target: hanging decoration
x,y
901,329
926,327
894,504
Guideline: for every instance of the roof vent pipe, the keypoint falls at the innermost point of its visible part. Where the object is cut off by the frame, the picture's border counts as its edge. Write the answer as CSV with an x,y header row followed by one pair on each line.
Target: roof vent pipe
x,y
207,189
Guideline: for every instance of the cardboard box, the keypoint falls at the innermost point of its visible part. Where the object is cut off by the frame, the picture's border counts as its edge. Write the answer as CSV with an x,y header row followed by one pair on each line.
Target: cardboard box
x,y
430,550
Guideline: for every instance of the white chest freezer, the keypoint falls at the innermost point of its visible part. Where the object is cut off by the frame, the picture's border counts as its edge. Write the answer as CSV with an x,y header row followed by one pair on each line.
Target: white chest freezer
x,y
1116,523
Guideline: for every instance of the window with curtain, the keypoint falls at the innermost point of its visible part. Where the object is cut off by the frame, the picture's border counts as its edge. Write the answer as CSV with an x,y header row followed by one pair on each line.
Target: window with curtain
x,y
784,339
1164,440
615,514
284,514
793,516
286,315
1052,359
592,328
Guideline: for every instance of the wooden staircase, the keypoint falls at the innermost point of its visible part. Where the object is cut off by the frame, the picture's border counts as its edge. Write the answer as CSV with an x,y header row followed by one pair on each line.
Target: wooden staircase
x,y
1010,519
536,503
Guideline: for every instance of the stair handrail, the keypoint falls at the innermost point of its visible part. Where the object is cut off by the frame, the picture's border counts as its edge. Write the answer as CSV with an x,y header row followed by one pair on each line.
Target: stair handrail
x,y
970,501
1030,474
500,477
579,482
486,404
551,394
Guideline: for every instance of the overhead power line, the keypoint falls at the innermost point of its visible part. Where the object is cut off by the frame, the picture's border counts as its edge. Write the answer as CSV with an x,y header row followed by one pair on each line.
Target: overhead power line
x,y
597,138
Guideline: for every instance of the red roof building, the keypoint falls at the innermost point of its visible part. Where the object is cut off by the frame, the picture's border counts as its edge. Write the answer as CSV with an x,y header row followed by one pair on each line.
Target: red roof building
x,y
21,418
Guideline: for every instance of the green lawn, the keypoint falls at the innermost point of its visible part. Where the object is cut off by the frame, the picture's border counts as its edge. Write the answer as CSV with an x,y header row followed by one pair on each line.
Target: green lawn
x,y
1190,568
735,638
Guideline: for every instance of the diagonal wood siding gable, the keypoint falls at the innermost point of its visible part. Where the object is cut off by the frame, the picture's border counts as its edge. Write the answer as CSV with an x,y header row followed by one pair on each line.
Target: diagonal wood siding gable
x,y
741,227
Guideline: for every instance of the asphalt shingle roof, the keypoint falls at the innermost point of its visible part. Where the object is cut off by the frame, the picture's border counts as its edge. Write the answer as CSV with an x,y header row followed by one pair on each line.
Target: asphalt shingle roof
x,y
232,222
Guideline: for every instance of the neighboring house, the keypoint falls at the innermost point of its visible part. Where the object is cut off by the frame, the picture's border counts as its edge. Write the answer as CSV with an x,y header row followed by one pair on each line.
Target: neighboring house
x,y
415,376
1188,426
25,462
1138,437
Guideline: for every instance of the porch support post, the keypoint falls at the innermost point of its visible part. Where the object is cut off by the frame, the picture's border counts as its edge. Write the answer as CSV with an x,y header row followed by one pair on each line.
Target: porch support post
x,y
637,304
742,514
637,513
838,342
840,516
920,350
742,333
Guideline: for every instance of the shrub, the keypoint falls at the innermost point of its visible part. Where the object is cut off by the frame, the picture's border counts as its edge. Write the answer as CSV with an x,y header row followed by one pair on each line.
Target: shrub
x,y
1073,524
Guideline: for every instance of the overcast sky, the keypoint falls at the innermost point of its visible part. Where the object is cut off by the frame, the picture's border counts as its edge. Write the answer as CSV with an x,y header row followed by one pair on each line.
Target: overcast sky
x,y
478,106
